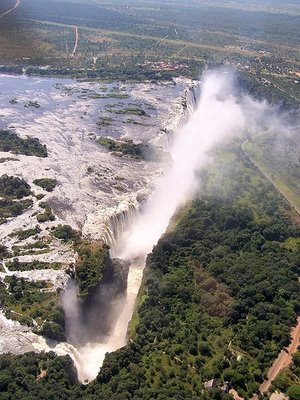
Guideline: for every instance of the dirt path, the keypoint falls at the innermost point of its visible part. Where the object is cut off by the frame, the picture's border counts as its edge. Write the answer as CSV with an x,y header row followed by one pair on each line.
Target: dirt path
x,y
11,9
284,359
76,42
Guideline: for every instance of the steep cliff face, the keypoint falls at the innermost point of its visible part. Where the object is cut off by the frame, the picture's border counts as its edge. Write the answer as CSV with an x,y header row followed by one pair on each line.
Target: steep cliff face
x,y
93,261
93,298
101,307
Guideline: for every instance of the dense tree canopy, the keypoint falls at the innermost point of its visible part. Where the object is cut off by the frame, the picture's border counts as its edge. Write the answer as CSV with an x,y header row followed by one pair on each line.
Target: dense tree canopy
x,y
219,296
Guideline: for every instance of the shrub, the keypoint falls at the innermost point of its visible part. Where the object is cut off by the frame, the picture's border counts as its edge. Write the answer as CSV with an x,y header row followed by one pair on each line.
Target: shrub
x,y
65,232
47,184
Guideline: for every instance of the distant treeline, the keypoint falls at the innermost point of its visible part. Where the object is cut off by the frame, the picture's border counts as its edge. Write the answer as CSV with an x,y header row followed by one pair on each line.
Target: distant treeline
x,y
252,85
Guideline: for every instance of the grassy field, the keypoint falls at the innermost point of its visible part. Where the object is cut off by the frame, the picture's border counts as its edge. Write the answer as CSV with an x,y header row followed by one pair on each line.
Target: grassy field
x,y
279,164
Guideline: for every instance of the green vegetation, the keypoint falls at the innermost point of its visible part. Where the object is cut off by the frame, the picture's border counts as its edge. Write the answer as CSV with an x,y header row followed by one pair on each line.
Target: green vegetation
x,y
25,234
134,122
277,156
294,392
127,148
65,232
10,208
219,296
209,309
54,329
12,187
288,380
37,247
4,159
37,374
104,121
16,265
117,95
39,196
3,251
10,141
257,88
26,301
47,215
120,42
47,184
220,293
93,258
32,104
111,95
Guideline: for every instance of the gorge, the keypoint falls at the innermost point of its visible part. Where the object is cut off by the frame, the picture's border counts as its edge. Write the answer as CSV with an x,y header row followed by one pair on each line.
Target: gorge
x,y
133,239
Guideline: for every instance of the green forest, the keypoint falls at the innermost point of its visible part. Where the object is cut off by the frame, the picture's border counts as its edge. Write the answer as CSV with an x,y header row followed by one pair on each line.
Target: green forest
x,y
219,296
25,301
47,184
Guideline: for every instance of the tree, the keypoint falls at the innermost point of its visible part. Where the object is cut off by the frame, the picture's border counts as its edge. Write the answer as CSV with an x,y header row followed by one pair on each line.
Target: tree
x,y
294,392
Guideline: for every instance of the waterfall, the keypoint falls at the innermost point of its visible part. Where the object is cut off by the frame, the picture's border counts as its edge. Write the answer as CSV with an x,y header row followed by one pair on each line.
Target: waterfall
x,y
135,276
116,222
116,227
165,138
209,118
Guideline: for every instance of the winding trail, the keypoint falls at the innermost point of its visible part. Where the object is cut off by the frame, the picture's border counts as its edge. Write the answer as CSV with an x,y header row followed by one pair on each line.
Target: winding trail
x,y
76,42
11,9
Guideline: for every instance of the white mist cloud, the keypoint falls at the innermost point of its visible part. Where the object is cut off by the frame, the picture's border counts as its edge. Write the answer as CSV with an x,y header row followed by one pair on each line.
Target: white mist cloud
x,y
217,116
